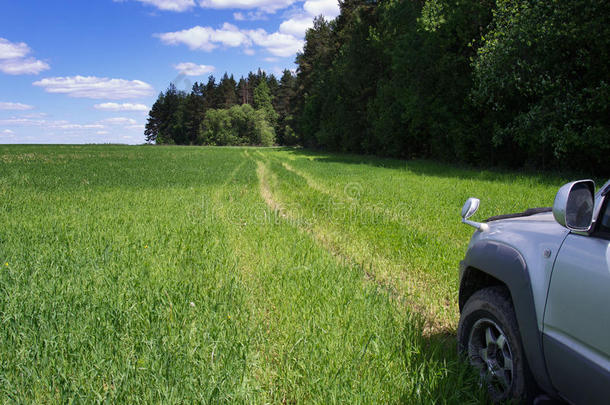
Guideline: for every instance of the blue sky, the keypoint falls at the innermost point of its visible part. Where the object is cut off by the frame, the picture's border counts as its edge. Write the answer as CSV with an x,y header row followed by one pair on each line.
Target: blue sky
x,y
87,71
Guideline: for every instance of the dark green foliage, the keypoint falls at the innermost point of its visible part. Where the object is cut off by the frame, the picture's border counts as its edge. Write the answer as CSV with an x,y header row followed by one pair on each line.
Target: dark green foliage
x,y
242,91
227,113
238,125
390,78
155,120
283,103
290,138
314,66
166,119
263,101
519,83
213,97
193,112
228,91
542,76
429,76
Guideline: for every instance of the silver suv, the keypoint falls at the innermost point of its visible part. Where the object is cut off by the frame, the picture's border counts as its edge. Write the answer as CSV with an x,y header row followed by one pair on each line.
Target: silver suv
x,y
535,297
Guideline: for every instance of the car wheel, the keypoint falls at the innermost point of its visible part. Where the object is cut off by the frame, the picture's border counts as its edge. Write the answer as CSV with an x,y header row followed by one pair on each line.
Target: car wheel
x,y
488,334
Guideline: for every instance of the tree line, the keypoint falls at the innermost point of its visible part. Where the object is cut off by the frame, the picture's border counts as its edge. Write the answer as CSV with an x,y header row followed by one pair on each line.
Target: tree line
x,y
519,83
254,111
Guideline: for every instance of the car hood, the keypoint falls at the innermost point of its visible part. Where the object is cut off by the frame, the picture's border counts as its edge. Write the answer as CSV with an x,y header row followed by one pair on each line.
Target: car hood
x,y
524,233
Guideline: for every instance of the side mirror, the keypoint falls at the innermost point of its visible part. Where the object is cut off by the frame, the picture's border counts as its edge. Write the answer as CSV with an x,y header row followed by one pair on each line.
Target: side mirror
x,y
470,207
574,204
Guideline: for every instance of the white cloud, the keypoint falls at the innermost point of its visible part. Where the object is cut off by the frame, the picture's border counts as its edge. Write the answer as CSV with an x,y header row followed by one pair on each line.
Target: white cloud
x,y
27,122
192,69
95,87
57,124
278,44
296,26
120,107
119,121
299,22
14,59
264,6
327,8
269,6
29,66
79,126
111,127
61,131
168,5
250,16
15,106
207,39
11,50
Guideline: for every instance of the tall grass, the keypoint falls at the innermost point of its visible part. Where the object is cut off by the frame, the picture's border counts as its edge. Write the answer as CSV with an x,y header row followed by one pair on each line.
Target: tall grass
x,y
180,275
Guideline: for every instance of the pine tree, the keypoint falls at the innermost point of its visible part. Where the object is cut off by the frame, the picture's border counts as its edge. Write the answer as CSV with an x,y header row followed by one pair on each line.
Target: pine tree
x,y
263,101
212,95
155,120
283,103
242,92
194,112
227,91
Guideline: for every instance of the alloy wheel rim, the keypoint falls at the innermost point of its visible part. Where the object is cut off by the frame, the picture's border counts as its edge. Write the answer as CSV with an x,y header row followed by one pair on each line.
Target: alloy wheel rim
x,y
490,352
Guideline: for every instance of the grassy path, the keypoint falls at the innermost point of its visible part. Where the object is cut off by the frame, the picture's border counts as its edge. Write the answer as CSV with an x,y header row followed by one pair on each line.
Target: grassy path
x,y
173,275
398,220
323,333
343,226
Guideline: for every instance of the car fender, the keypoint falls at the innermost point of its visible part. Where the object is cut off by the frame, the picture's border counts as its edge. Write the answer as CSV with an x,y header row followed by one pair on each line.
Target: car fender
x,y
506,264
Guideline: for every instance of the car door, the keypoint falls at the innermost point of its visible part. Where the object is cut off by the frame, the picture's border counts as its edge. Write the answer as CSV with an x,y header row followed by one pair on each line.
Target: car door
x,y
576,335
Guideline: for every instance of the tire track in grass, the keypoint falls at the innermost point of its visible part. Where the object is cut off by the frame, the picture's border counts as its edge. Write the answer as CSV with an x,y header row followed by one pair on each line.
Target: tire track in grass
x,y
326,242
392,215
322,334
223,201
417,340
343,343
409,288
261,172
262,312
400,213
431,290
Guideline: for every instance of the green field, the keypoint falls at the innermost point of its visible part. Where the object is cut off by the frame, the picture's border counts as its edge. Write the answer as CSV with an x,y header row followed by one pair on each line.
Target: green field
x,y
191,274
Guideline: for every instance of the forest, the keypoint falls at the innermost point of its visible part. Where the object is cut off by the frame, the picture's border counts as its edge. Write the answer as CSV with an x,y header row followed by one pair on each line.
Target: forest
x,y
520,84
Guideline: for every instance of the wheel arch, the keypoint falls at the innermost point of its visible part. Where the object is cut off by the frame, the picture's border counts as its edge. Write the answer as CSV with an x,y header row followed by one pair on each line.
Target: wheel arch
x,y
490,263
473,280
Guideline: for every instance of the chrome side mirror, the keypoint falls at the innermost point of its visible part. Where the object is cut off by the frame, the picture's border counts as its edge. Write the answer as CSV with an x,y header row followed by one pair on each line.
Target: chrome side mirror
x,y
574,204
469,209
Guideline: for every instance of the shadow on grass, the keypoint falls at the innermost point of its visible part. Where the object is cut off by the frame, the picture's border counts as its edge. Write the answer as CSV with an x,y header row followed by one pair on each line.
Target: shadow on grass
x,y
440,169
461,383
438,373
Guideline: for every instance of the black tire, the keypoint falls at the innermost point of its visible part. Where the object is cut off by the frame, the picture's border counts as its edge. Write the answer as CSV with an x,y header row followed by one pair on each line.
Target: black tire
x,y
488,335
